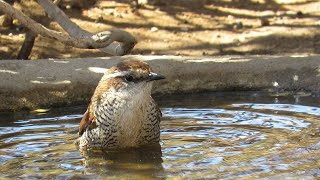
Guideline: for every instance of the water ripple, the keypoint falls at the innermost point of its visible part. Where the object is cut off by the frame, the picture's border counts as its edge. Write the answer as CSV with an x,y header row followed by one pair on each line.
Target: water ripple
x,y
239,138
229,117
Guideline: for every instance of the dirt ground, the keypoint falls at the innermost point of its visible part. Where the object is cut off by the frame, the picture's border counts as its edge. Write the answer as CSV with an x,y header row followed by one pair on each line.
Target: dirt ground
x,y
182,27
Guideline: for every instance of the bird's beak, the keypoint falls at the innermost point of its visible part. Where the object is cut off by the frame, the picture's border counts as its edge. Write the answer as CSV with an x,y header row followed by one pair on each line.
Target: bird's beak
x,y
155,76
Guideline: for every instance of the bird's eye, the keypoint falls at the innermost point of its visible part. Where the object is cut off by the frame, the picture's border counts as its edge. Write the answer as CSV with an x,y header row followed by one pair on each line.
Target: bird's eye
x,y
129,78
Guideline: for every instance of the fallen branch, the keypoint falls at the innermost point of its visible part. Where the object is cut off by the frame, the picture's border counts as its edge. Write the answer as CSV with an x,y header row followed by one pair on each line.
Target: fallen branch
x,y
114,42
29,40
27,45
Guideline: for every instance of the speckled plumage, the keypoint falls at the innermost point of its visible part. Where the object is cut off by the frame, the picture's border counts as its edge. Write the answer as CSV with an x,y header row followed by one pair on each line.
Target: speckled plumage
x,y
122,112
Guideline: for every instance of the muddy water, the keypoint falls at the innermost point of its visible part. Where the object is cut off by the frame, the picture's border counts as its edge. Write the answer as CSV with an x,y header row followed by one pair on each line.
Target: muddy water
x,y
220,135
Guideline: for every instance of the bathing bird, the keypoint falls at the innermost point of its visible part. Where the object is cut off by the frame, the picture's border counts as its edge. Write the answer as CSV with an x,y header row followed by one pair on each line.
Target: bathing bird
x,y
122,112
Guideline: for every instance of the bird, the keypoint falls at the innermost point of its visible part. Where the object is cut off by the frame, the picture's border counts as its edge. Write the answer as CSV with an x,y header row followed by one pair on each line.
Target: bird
x,y
122,112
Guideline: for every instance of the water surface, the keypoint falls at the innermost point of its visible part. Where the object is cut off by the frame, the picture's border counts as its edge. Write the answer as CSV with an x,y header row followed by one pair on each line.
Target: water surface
x,y
217,135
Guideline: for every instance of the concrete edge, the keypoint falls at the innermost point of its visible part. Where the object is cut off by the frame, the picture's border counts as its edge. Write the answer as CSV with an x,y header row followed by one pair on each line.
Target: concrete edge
x,y
65,82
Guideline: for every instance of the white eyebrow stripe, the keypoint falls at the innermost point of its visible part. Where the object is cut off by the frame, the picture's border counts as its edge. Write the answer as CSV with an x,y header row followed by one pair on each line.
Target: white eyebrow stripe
x,y
113,75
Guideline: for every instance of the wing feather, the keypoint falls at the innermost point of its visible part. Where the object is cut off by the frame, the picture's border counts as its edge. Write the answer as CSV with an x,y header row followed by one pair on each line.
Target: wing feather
x,y
87,120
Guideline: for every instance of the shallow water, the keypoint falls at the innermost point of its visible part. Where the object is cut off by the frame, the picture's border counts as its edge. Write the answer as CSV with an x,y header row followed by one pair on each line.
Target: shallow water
x,y
218,135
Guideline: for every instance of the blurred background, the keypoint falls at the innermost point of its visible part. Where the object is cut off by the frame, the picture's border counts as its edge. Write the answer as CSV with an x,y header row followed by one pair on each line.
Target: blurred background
x,y
179,27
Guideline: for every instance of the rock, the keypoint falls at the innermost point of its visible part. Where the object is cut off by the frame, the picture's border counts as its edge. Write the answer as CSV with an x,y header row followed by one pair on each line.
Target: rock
x,y
299,14
20,87
237,25
184,29
264,22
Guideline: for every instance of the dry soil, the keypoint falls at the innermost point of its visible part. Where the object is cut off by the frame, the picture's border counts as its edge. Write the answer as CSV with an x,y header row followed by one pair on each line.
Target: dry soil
x,y
182,27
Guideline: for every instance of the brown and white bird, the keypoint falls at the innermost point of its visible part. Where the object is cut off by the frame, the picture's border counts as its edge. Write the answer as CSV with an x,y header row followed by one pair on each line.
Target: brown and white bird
x,y
122,113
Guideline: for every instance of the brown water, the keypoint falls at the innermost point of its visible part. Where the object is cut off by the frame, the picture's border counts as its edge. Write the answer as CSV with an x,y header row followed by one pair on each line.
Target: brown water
x,y
219,135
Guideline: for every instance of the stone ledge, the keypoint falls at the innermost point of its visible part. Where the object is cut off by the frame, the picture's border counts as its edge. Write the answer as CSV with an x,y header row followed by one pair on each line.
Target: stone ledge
x,y
52,83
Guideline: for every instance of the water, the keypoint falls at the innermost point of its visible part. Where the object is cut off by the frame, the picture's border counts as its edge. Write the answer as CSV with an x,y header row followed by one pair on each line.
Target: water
x,y
218,135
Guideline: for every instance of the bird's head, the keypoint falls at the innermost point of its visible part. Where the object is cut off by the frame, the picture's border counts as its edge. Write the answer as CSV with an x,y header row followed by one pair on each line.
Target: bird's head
x,y
132,75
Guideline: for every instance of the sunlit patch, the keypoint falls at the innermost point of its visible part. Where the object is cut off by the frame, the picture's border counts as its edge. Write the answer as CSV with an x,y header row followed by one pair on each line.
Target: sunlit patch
x,y
49,82
97,69
275,84
36,82
8,71
62,82
291,1
41,110
59,61
221,60
299,55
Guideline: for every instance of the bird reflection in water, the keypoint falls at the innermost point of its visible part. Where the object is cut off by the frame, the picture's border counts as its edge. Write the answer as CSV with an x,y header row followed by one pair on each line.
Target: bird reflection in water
x,y
143,162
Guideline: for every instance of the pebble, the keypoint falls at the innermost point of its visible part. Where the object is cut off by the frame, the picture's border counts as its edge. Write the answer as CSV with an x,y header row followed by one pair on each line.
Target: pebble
x,y
230,17
184,29
99,19
143,2
19,28
237,25
299,14
154,29
264,22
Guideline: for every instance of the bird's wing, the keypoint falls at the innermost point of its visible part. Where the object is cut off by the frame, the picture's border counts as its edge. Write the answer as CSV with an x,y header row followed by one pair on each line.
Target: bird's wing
x,y
159,111
155,111
157,108
87,119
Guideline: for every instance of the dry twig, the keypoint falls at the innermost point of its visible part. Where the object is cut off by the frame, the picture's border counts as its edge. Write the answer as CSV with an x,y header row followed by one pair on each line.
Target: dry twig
x,y
114,42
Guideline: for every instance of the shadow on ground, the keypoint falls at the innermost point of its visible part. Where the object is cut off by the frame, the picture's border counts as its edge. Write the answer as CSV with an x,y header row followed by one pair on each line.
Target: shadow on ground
x,y
189,27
